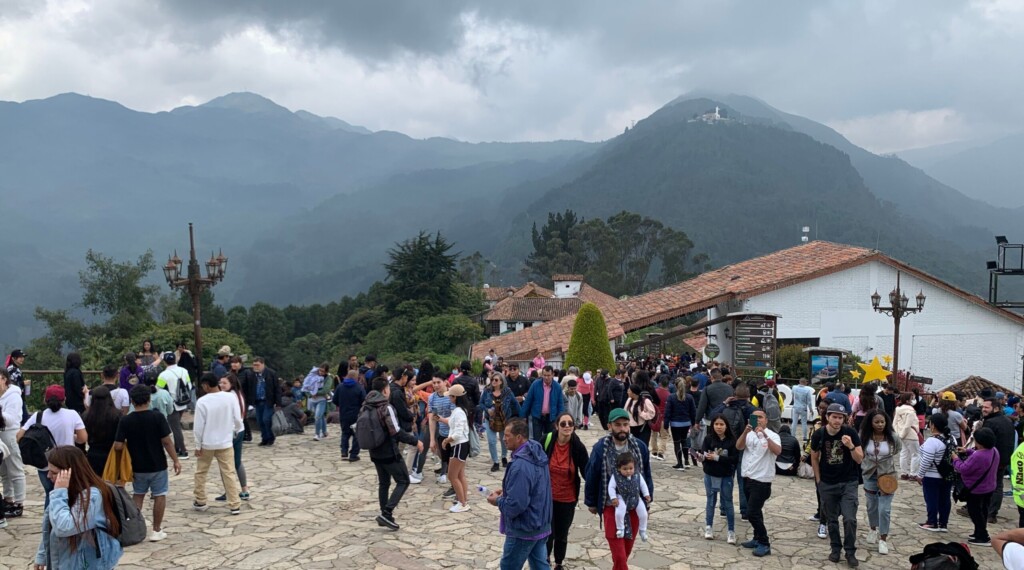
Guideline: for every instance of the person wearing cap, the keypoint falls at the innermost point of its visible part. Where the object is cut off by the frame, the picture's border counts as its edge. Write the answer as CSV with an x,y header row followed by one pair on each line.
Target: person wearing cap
x,y
219,365
957,423
543,402
457,444
836,455
66,427
14,362
602,466
168,380
518,383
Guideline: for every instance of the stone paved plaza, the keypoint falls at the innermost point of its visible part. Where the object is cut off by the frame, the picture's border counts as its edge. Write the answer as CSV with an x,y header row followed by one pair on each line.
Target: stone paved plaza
x,y
311,510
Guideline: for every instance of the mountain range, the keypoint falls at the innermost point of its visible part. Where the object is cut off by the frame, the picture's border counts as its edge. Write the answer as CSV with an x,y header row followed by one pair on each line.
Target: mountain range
x,y
306,207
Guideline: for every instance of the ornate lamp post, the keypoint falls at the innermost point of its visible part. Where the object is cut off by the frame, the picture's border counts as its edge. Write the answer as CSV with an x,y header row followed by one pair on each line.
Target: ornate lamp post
x,y
899,306
194,283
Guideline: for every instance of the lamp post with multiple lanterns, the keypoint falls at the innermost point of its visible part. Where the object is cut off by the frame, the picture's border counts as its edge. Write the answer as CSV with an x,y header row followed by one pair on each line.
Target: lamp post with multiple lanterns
x,y
899,306
194,284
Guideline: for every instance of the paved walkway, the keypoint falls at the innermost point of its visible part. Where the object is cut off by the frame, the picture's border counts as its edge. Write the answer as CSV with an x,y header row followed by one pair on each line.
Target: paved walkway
x,y
311,510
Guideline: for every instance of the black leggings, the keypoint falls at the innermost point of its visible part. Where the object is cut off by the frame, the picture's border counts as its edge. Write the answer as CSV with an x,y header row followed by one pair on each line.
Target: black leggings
x,y
586,404
679,442
561,519
643,433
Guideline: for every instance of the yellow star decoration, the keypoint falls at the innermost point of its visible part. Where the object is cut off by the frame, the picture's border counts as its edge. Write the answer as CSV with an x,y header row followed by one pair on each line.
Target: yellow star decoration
x,y
855,374
873,371
887,359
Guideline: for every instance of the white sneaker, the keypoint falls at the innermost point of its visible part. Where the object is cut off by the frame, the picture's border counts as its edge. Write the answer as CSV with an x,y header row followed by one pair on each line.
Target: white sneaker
x,y
708,535
620,533
442,479
316,437
658,457
883,547
872,536
822,531
157,536
415,478
732,537
643,535
459,508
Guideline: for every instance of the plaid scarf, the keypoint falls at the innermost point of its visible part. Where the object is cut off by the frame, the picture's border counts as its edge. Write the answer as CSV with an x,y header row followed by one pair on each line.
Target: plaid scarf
x,y
608,469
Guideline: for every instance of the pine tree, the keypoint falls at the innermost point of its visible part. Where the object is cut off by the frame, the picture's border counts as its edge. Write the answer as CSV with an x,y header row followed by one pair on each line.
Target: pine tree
x,y
588,347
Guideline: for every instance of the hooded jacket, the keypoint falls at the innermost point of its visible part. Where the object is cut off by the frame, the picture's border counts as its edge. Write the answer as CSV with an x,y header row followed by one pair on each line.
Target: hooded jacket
x,y
349,398
10,407
525,501
389,451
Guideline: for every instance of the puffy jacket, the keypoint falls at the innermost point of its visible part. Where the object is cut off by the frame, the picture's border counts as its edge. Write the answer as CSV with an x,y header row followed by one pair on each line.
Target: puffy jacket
x,y
349,398
10,407
905,422
525,501
534,402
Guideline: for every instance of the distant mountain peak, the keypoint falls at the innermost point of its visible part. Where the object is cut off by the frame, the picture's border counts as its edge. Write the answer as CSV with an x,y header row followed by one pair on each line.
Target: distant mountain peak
x,y
245,102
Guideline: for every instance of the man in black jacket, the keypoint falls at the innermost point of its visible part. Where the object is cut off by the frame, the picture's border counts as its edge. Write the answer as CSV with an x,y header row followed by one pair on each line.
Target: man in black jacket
x,y
996,420
398,401
247,379
266,394
386,458
469,382
519,385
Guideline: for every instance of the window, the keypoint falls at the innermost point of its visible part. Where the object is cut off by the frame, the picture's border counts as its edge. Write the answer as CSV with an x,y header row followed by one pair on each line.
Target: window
x,y
527,325
493,327
510,327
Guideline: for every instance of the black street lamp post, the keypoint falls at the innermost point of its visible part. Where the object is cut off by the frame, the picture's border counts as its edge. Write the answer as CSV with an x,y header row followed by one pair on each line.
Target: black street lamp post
x,y
194,283
899,306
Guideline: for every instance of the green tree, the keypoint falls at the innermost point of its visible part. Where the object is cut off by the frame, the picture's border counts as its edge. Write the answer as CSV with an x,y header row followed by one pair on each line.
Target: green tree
x,y
269,332
792,362
110,287
421,269
441,334
588,346
556,248
168,336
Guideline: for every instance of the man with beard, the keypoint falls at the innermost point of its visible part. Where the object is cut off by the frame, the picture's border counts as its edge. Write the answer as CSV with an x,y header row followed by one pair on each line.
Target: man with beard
x,y
600,468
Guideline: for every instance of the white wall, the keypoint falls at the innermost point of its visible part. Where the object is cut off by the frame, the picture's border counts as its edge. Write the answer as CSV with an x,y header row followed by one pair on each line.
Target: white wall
x,y
948,341
566,289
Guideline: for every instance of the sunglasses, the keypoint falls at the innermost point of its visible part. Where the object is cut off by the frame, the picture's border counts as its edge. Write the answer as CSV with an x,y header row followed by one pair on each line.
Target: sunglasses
x,y
565,424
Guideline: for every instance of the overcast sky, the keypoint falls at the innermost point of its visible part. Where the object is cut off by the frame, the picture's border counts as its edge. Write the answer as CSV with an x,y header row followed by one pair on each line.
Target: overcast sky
x,y
889,75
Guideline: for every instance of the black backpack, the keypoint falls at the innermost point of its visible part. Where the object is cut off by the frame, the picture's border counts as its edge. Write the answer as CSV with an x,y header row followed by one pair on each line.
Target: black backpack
x,y
133,525
184,393
370,430
733,416
945,464
36,443
944,556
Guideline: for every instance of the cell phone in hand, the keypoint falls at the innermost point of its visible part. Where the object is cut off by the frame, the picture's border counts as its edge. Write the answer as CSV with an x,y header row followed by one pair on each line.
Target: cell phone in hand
x,y
753,422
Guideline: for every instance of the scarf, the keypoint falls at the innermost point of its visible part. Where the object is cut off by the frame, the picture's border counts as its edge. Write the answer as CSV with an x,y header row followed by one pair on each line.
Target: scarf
x,y
608,469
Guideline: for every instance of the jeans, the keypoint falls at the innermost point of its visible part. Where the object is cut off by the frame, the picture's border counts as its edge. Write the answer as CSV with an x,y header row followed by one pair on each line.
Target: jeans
x,y
174,420
346,433
561,520
541,427
385,473
800,423
419,459
910,456
226,464
265,417
978,508
758,494
620,547
937,500
518,551
492,444
679,443
840,499
239,468
997,497
879,506
319,411
713,487
12,469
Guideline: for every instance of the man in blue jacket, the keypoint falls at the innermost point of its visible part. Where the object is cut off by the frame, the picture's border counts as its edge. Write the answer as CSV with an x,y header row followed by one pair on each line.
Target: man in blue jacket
x,y
544,402
524,501
348,397
601,467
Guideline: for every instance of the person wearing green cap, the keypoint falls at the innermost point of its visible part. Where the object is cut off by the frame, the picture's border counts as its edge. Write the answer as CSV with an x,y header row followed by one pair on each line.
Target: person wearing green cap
x,y
600,468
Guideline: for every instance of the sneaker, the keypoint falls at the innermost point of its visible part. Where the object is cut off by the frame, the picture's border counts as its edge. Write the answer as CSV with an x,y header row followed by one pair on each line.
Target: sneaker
x,y
708,535
833,556
183,455
929,527
814,518
316,437
157,536
384,520
762,550
495,468
449,493
352,459
437,471
872,537
222,498
883,547
236,511
852,561
3,523
415,478
993,519
643,535
679,467
620,533
442,480
504,463
732,537
976,542
943,529
743,516
197,507
244,495
459,508
658,456
12,510
750,544
822,531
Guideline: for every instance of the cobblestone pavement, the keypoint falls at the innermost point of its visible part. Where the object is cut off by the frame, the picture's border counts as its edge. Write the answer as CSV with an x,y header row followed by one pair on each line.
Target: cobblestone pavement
x,y
311,510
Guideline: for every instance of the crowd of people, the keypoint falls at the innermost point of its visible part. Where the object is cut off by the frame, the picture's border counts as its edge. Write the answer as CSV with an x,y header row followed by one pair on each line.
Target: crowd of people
x,y
870,441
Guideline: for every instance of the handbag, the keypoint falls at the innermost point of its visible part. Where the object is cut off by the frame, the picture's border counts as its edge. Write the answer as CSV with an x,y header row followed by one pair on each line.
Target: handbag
x,y
887,483
961,491
118,468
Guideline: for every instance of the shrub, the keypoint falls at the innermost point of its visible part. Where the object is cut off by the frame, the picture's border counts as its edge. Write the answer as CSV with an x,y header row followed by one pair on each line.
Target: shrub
x,y
588,347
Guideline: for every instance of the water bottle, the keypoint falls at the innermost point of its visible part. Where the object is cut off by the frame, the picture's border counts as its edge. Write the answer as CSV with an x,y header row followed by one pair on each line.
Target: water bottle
x,y
483,490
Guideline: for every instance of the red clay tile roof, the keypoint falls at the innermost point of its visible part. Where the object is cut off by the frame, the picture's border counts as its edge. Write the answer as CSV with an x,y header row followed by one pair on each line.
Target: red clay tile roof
x,y
697,343
531,289
973,385
496,293
738,281
567,277
533,309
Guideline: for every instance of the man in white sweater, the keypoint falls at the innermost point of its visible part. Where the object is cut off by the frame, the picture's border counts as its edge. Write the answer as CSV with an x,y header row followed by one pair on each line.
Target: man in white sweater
x,y
218,418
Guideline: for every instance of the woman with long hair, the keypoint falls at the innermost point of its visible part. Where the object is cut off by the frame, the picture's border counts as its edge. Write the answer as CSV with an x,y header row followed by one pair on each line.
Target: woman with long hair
x,y
131,372
864,403
905,425
74,382
881,450
230,383
79,524
65,426
499,406
680,415
12,470
936,488
720,461
641,411
458,442
567,464
148,354
957,423
101,424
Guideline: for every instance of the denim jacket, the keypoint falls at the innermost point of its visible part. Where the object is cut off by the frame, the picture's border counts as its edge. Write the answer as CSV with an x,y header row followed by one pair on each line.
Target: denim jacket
x,y
509,404
59,522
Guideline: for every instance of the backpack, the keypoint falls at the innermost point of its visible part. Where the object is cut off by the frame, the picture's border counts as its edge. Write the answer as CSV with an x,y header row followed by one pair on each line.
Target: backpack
x,y
770,404
279,423
733,416
370,430
945,464
36,443
150,374
183,395
945,556
133,525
